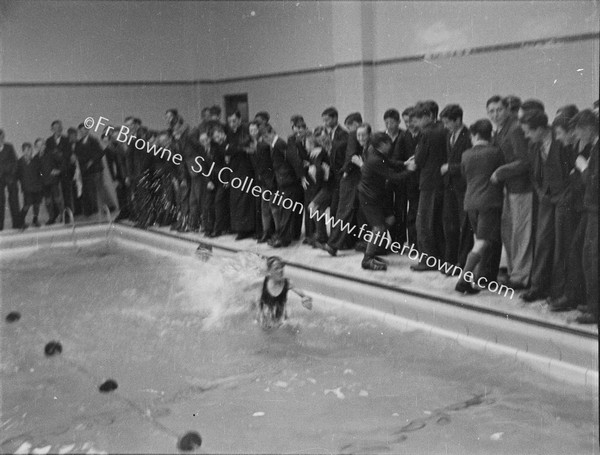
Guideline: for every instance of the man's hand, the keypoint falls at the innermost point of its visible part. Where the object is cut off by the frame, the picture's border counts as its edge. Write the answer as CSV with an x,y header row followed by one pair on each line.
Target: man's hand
x,y
410,165
357,159
581,163
444,169
304,183
494,178
312,172
210,186
326,170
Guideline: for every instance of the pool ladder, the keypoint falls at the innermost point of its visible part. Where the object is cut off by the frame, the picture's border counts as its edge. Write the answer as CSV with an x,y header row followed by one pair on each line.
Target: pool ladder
x,y
111,222
68,211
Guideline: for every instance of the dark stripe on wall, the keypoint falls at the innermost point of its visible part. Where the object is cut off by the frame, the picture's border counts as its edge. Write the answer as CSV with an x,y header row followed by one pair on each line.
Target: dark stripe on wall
x,y
322,69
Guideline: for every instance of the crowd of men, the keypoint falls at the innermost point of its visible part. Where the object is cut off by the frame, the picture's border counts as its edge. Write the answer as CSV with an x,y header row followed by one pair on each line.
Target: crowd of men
x,y
457,193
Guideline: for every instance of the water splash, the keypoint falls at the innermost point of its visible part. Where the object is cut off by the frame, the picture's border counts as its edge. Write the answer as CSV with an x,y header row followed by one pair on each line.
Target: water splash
x,y
221,288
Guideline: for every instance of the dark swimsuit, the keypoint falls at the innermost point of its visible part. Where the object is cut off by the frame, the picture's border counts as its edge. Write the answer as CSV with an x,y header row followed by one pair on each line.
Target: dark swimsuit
x,y
274,303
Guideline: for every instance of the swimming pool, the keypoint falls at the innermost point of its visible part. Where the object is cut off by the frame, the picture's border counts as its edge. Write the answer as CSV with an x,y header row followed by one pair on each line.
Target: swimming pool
x,y
178,337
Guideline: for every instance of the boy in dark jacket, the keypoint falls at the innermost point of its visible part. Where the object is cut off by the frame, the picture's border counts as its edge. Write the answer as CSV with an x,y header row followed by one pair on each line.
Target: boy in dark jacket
x,y
51,166
29,174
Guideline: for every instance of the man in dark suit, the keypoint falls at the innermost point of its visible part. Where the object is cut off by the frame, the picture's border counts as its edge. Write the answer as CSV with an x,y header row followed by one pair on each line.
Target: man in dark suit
x,y
458,234
289,175
396,192
408,143
429,157
339,139
8,179
517,214
58,144
241,203
89,154
550,167
348,202
586,131
296,140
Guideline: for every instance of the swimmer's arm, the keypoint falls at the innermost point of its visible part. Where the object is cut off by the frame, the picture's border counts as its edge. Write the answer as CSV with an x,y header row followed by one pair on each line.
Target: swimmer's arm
x,y
306,300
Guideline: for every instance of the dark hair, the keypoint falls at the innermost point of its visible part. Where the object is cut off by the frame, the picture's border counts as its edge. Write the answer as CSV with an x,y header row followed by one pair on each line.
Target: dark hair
x,y
407,111
273,260
253,122
354,117
421,110
513,103
137,121
81,125
433,108
367,126
237,113
452,112
215,110
71,130
52,124
534,119
378,139
175,112
205,109
143,132
586,118
296,118
569,111
532,105
391,113
330,112
264,115
562,121
266,129
39,139
496,99
215,127
26,145
483,128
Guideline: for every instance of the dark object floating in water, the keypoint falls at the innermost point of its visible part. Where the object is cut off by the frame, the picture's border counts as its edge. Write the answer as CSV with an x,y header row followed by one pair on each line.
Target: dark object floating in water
x,y
54,347
13,316
108,386
190,441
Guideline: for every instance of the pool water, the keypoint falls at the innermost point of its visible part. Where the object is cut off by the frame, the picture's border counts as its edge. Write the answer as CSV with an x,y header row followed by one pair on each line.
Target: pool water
x,y
179,338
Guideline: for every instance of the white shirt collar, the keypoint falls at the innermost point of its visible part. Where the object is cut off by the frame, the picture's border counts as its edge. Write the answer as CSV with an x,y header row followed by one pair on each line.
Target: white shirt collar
x,y
274,140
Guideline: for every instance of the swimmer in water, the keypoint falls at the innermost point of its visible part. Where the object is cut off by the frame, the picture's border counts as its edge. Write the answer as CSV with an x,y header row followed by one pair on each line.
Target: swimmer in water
x,y
272,305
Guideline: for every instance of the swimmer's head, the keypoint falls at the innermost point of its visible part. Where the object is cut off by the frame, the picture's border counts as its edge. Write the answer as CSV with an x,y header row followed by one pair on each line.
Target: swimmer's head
x,y
275,267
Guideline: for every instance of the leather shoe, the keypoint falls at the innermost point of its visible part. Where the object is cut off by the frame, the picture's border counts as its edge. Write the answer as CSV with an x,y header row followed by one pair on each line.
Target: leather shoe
x,y
454,271
586,318
560,304
422,267
532,296
264,239
465,288
243,235
326,247
374,264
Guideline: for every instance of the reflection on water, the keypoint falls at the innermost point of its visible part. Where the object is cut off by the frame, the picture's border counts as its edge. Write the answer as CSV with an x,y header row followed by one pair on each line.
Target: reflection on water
x,y
180,339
